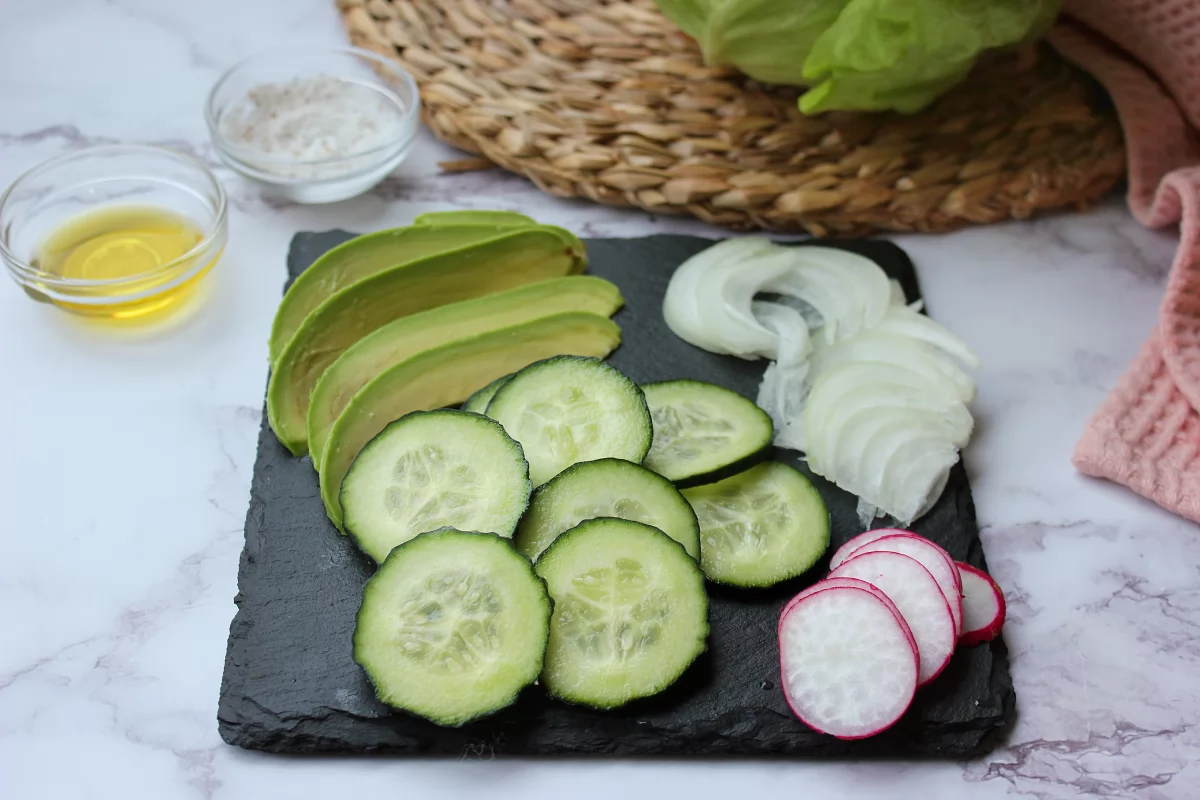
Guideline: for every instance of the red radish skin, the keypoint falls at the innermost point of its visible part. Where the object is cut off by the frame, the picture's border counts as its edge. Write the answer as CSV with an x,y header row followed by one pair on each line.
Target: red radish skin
x,y
984,608
843,553
919,598
848,660
842,583
933,558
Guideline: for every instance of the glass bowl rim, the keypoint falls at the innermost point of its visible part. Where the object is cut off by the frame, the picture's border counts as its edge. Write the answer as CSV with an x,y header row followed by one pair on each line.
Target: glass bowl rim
x,y
408,112
212,231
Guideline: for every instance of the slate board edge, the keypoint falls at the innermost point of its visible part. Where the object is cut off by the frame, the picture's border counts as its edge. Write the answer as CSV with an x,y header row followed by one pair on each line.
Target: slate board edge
x,y
246,723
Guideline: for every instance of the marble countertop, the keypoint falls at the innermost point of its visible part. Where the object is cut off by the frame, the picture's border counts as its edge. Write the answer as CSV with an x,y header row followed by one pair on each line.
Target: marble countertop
x,y
119,559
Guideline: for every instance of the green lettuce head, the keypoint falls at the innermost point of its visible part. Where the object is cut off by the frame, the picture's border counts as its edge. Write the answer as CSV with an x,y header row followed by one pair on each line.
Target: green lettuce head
x,y
858,54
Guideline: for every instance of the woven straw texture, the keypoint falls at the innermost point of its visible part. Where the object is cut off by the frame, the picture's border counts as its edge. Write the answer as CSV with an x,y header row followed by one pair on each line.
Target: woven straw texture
x,y
606,99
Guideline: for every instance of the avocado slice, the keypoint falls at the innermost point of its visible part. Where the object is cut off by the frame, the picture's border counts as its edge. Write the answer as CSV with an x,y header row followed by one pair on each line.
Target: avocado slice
x,y
407,336
498,218
448,375
521,256
364,256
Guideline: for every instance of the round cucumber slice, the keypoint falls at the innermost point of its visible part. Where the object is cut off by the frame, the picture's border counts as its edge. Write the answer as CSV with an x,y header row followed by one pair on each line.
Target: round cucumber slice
x,y
609,487
452,626
703,432
478,402
761,526
434,469
630,612
569,409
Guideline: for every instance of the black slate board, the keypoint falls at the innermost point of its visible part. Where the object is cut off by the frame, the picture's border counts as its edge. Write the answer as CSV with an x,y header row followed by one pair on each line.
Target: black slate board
x,y
290,684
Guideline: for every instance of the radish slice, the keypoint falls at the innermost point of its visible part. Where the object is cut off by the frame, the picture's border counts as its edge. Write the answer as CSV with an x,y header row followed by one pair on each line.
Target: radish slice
x,y
843,553
984,608
920,600
848,660
933,558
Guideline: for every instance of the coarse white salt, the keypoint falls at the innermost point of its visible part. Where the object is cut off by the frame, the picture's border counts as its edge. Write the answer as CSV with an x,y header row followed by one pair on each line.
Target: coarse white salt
x,y
307,120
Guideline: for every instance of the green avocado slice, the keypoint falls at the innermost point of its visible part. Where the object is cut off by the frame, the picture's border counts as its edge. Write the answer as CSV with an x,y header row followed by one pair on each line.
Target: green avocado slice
x,y
448,375
367,255
522,256
407,336
505,219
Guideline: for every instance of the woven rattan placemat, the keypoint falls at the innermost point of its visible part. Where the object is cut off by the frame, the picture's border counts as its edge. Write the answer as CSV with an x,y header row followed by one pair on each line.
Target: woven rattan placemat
x,y
605,99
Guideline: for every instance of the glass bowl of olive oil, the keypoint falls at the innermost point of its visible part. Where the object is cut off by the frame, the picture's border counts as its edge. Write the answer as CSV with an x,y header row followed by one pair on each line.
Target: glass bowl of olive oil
x,y
118,231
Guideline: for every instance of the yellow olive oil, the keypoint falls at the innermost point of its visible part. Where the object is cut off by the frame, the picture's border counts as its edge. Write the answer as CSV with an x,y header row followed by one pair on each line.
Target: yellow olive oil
x,y
128,245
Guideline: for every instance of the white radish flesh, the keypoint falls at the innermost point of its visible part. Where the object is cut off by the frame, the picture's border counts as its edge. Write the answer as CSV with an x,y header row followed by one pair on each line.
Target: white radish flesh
x,y
843,553
920,600
933,558
984,608
848,660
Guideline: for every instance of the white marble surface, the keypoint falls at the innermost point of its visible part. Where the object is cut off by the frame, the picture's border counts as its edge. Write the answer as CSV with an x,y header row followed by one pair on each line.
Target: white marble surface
x,y
127,463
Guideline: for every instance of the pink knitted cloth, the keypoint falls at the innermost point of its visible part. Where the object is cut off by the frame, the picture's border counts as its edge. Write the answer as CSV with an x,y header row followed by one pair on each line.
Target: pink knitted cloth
x,y
1146,53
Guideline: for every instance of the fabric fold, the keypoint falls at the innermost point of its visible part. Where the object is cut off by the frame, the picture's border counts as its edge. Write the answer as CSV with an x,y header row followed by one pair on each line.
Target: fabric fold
x,y
1146,54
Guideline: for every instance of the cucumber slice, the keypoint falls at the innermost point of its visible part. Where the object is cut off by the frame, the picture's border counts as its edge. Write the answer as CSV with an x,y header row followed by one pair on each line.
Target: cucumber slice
x,y
452,626
569,409
609,487
630,612
704,432
760,527
478,402
434,469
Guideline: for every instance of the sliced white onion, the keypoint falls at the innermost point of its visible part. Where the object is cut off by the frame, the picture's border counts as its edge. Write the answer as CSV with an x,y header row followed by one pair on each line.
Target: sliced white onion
x,y
914,475
871,283
840,384
904,321
681,308
862,382
868,513
824,292
850,292
782,394
724,300
860,413
901,351
892,466
794,343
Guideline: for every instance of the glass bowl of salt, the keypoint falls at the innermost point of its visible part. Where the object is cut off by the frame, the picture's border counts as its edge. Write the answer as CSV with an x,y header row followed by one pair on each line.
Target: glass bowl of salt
x,y
311,125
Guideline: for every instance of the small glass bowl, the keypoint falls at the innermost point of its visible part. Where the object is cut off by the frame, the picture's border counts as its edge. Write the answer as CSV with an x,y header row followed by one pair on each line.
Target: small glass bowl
x,y
377,81
39,202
